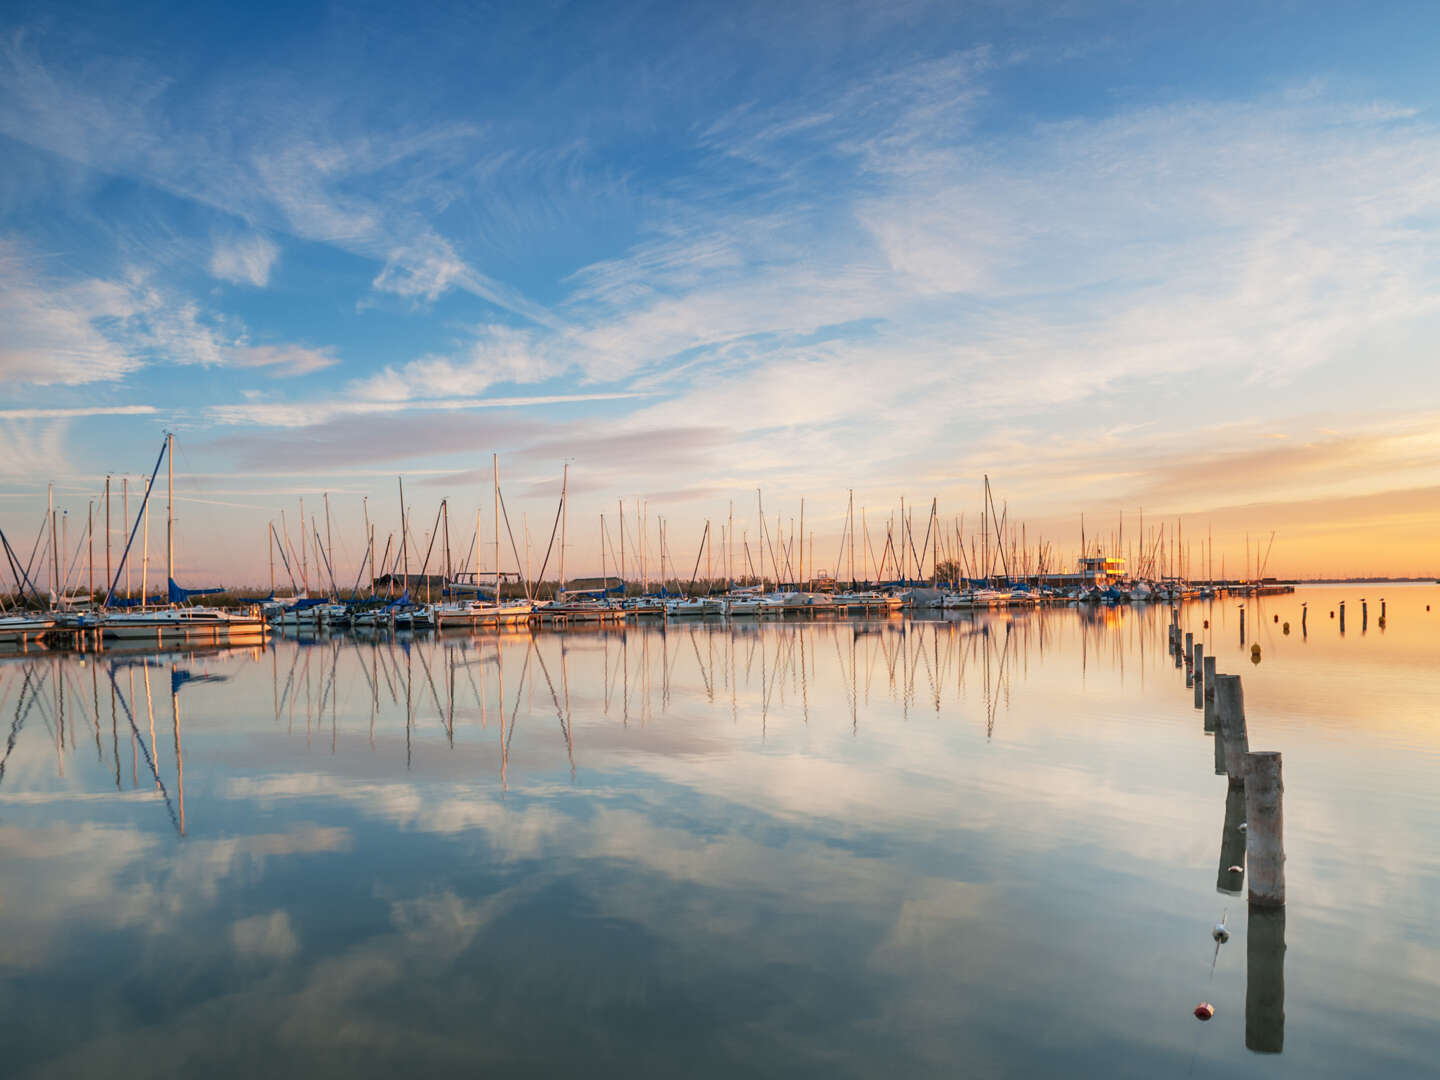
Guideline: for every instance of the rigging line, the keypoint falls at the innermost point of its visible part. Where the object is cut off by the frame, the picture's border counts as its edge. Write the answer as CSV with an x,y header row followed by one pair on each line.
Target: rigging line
x,y
513,548
139,514
284,560
553,530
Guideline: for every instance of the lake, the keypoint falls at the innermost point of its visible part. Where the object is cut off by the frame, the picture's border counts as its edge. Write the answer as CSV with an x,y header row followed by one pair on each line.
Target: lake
x,y
986,845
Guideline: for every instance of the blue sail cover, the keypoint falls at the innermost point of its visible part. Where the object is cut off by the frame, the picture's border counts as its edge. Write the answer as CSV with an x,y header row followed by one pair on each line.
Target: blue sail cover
x,y
136,601
306,602
179,595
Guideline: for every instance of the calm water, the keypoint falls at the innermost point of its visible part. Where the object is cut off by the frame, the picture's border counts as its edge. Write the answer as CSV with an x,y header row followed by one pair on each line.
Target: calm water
x,y
986,846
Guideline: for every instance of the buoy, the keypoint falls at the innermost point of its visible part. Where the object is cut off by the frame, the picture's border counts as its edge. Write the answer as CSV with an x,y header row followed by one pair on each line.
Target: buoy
x,y
1277,618
1234,869
1286,628
1332,614
1255,653
1221,933
1207,621
1243,826
1204,1011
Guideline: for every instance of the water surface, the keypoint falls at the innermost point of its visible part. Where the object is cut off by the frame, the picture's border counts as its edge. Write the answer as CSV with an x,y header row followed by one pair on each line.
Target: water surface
x,y
988,845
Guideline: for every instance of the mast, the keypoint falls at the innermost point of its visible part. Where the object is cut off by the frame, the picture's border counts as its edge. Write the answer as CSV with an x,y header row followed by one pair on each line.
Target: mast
x,y
108,575
90,536
761,504
564,489
851,514
622,547
55,559
495,470
603,579
801,575
169,511
904,554
330,548
304,556
270,550
730,548
404,538
125,495
369,540
145,562
445,536
708,577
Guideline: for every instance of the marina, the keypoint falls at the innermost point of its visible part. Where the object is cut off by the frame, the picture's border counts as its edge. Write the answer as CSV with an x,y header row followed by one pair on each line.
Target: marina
x,y
1015,808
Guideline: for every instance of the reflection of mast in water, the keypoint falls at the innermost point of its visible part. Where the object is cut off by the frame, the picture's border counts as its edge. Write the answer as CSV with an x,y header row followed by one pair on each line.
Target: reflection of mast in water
x,y
409,704
115,737
734,706
500,701
525,671
18,723
560,712
179,758
138,738
802,632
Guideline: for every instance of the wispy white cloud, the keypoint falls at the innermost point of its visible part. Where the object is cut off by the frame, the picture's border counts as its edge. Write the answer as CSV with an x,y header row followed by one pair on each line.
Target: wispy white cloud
x,y
244,260
311,176
305,414
283,360
88,410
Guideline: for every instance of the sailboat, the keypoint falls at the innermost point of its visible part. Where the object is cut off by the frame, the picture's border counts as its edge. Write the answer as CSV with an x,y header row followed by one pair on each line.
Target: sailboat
x,y
479,611
205,625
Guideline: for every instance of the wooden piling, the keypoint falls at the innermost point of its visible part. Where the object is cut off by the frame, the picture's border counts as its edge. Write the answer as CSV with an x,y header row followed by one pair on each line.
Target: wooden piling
x,y
1198,670
1265,828
1189,658
1230,721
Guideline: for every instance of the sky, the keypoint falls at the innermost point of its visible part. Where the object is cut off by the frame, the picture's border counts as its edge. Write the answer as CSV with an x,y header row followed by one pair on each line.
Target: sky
x,y
1153,262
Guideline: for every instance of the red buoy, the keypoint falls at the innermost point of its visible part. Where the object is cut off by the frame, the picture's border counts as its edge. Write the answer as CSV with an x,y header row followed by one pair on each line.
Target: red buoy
x,y
1204,1011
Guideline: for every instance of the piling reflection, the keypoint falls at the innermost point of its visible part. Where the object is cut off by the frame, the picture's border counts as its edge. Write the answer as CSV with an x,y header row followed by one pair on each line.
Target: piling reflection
x,y
1231,876
1265,981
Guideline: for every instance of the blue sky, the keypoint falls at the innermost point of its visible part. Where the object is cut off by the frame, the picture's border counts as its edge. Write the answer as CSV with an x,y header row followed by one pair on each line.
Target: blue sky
x,y
1120,256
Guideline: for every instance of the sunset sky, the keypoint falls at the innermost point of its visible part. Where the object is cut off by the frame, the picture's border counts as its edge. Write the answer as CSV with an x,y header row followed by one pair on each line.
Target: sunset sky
x,y
1173,259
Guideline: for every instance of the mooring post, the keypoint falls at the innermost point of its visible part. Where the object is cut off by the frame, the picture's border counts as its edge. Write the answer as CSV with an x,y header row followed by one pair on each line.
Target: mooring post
x,y
1265,827
1265,980
1198,668
1230,716
1382,607
1342,616
1209,690
1242,624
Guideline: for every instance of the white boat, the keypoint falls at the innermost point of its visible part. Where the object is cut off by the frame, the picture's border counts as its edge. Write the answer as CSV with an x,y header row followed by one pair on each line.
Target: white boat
x,y
483,613
694,606
750,606
193,624
24,627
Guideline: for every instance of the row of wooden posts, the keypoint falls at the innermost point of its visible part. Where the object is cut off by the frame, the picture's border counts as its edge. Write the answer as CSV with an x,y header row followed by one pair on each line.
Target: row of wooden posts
x,y
1253,839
